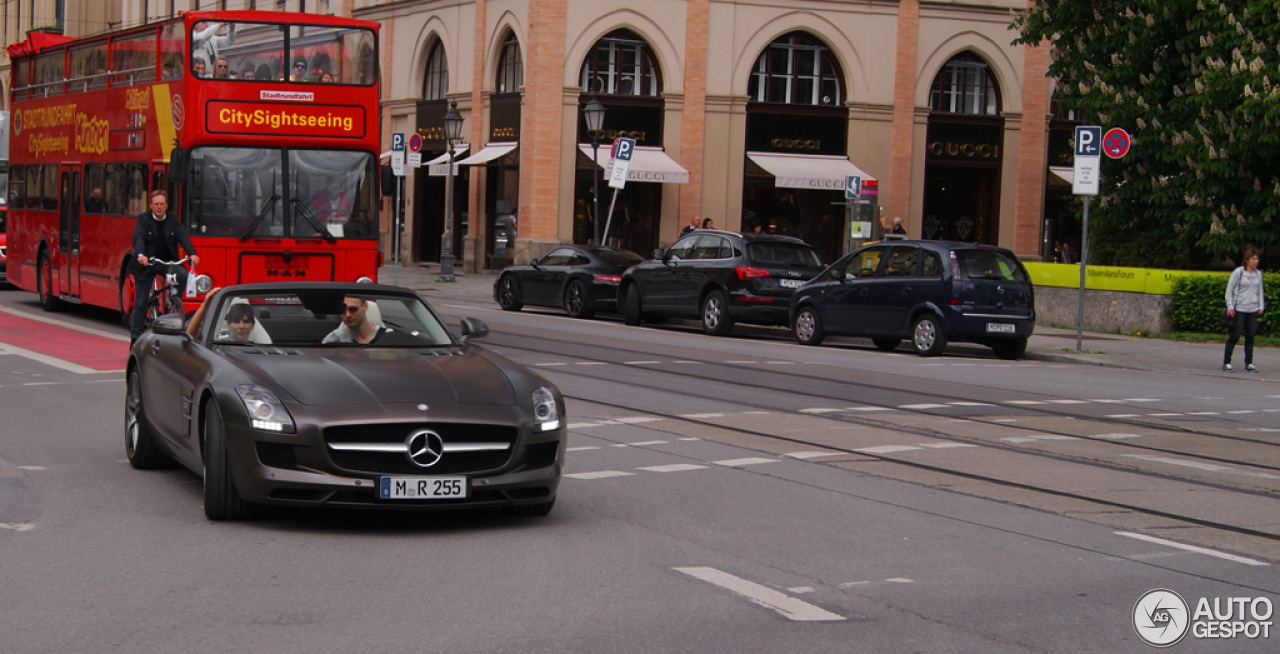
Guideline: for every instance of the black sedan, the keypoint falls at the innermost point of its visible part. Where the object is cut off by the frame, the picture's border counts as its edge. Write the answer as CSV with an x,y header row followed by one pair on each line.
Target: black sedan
x,y
580,279
337,394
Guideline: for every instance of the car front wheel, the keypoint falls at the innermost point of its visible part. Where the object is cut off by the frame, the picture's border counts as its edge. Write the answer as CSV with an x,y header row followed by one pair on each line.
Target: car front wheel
x,y
508,294
221,499
927,336
576,302
139,441
808,327
715,314
631,305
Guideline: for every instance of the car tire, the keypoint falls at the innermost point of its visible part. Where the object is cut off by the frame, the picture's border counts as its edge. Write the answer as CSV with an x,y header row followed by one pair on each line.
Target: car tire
x,y
808,327
887,344
927,336
44,284
1010,350
139,439
533,510
509,294
221,499
715,314
577,302
631,306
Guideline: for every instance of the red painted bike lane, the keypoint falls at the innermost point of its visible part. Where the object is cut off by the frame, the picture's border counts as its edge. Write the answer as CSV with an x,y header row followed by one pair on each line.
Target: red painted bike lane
x,y
97,353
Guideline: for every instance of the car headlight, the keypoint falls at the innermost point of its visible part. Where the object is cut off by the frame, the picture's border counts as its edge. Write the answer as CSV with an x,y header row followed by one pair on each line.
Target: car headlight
x,y
546,414
266,411
204,284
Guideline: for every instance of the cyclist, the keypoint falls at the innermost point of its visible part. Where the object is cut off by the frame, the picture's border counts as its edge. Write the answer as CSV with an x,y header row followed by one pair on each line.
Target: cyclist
x,y
156,235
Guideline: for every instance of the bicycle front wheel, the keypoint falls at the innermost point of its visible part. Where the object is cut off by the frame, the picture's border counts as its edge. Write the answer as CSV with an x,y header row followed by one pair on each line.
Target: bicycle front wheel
x,y
173,304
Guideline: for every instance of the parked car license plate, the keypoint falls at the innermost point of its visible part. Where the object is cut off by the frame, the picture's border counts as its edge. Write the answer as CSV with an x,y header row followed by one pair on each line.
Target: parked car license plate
x,y
790,283
419,488
1001,328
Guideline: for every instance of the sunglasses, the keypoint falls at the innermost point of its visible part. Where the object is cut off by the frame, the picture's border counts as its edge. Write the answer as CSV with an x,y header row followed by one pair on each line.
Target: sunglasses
x,y
299,65
350,309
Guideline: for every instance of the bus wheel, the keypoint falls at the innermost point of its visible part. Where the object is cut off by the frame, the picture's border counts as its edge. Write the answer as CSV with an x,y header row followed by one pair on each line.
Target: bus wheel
x,y
127,291
44,283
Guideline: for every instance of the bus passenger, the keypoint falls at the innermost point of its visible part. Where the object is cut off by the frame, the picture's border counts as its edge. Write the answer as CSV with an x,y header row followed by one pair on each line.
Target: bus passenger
x,y
197,67
247,73
221,69
299,71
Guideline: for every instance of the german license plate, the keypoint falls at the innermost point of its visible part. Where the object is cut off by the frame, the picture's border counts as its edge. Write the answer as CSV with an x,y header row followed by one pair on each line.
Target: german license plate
x,y
790,283
1001,328
422,488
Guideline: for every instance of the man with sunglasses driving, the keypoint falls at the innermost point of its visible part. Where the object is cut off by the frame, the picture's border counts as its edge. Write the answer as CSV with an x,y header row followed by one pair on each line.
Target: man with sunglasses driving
x,y
355,327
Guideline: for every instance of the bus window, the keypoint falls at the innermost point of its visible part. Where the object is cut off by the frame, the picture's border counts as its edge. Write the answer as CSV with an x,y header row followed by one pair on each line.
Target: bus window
x,y
134,58
336,52
33,196
50,187
172,48
93,176
136,196
334,188
210,41
115,189
17,187
230,187
20,79
49,73
88,67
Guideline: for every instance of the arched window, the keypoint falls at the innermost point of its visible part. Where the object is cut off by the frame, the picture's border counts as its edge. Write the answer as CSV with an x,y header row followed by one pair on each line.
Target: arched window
x,y
797,69
621,64
436,82
510,66
965,86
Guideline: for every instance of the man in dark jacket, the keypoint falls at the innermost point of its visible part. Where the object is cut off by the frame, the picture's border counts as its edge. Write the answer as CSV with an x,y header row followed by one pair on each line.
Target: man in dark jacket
x,y
156,235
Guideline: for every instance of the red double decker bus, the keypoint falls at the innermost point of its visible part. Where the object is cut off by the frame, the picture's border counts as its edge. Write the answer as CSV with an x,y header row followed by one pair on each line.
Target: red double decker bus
x,y
261,126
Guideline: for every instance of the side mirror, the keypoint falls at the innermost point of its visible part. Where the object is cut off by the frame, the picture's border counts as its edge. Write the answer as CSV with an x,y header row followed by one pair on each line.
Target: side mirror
x,y
534,262
473,328
388,180
169,325
179,164
658,252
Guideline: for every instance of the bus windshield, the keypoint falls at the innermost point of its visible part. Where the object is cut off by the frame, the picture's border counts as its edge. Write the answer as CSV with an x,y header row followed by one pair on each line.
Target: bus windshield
x,y
243,192
307,54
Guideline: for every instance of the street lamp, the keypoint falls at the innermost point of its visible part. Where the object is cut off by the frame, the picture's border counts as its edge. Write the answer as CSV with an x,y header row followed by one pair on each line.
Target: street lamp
x,y
452,134
594,115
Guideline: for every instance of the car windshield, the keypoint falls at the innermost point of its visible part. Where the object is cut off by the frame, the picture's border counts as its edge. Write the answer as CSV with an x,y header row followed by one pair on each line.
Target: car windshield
x,y
990,265
621,257
328,318
780,253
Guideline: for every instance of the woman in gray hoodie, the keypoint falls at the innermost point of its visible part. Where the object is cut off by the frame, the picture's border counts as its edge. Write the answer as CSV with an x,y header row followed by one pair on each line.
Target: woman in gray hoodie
x,y
1245,304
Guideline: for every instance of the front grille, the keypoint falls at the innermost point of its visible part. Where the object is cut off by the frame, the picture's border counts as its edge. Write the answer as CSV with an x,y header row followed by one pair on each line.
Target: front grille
x,y
396,463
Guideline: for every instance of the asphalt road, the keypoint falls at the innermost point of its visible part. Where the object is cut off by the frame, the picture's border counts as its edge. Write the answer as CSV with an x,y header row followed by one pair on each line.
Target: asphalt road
x,y
742,493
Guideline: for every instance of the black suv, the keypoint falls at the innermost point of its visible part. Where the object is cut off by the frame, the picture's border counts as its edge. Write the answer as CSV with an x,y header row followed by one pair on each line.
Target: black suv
x,y
927,291
720,277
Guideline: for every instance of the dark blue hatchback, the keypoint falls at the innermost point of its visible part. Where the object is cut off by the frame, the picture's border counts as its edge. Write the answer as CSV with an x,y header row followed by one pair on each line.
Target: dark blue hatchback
x,y
930,292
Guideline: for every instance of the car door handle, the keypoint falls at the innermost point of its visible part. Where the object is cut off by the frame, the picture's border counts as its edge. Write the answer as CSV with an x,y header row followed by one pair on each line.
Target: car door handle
x,y
155,347
906,290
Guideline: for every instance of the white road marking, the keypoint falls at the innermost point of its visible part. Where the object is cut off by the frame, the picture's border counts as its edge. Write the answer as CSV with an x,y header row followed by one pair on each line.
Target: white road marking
x,y
1204,413
600,474
1107,401
886,449
870,408
789,607
1139,399
686,361
821,410
743,362
891,580
811,455
644,443
51,361
946,446
674,467
700,416
1211,467
583,448
592,363
632,420
1038,437
1117,436
970,404
33,468
1025,402
1162,415
1121,415
40,384
17,526
1191,548
1241,411
551,364
921,406
1068,402
640,363
779,363
749,461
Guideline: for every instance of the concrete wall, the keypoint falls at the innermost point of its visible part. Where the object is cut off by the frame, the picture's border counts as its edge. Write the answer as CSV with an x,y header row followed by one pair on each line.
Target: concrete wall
x,y
1104,311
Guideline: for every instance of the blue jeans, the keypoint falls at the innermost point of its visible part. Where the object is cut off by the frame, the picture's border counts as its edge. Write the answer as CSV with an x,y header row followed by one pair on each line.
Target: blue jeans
x,y
1246,324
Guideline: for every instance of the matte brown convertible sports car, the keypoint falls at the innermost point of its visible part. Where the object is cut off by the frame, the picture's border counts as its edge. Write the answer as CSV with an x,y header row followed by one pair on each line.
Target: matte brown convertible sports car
x,y
278,401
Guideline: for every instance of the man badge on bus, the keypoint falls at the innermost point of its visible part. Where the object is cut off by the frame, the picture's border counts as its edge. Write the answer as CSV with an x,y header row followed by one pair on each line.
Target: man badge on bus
x,y
156,235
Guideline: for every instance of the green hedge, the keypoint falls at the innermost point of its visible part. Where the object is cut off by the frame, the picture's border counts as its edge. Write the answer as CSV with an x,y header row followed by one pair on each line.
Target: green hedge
x,y
1198,300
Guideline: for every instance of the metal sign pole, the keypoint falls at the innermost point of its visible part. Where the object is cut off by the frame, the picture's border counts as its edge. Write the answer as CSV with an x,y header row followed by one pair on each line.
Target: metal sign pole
x,y
1084,257
609,222
395,235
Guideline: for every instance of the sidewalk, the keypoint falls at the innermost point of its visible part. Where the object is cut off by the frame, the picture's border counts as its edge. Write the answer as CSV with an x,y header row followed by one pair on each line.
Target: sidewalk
x,y
1046,344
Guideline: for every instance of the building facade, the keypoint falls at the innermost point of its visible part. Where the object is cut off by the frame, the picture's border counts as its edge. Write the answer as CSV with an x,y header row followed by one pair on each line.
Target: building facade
x,y
753,114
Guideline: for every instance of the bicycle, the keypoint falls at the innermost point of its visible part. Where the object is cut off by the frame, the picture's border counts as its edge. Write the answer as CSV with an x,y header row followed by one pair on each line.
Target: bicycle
x,y
166,292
